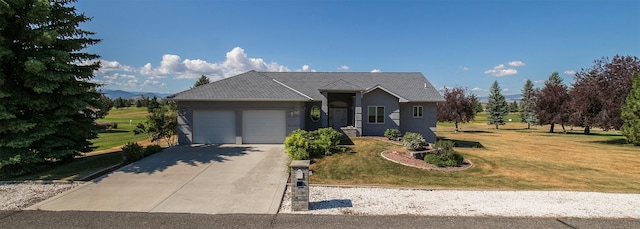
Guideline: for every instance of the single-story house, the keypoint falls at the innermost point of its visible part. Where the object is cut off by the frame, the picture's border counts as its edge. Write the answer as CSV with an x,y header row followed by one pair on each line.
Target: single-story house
x,y
264,107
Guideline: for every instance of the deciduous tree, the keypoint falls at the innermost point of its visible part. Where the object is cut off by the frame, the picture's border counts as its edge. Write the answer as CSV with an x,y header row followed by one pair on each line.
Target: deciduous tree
x,y
46,96
497,107
631,113
161,124
552,103
456,108
599,92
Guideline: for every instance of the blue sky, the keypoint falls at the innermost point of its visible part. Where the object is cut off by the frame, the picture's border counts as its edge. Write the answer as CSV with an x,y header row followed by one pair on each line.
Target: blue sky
x,y
164,46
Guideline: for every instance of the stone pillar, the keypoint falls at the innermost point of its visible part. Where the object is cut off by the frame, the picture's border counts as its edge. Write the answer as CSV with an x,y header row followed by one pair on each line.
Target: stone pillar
x,y
300,185
358,114
324,115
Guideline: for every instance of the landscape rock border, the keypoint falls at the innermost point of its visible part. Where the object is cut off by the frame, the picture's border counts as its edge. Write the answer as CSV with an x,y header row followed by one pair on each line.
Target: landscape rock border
x,y
394,156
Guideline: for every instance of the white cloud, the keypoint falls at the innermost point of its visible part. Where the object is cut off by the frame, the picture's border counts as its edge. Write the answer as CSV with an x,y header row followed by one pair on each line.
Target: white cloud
x,y
107,67
343,68
465,69
516,63
376,70
478,89
236,62
569,72
305,68
500,70
505,90
149,82
538,81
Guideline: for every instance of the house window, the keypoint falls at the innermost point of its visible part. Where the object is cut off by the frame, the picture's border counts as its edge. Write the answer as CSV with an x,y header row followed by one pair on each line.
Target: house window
x,y
417,111
376,114
315,113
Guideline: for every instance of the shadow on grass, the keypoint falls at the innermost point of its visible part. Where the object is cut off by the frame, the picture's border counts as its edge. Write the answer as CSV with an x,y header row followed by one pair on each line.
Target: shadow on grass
x,y
476,131
462,143
112,131
190,155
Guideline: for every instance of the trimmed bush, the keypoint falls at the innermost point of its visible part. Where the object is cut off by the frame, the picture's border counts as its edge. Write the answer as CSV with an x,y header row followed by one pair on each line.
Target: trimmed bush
x,y
392,134
324,141
132,152
444,155
152,149
303,145
412,141
297,145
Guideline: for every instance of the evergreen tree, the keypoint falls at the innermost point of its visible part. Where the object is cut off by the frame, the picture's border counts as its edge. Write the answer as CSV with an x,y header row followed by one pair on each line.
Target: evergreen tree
x,y
153,104
513,107
527,114
201,81
475,102
631,113
554,79
46,96
497,107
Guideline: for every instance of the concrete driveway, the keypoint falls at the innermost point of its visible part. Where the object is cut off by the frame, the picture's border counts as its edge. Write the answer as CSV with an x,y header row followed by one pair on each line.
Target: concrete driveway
x,y
210,179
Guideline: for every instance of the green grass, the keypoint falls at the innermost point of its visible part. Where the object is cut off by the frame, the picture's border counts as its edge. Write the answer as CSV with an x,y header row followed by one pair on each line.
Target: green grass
x,y
124,133
76,169
510,158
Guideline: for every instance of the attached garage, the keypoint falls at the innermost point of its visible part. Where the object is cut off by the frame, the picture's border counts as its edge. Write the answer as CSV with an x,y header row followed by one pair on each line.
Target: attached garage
x,y
212,126
263,126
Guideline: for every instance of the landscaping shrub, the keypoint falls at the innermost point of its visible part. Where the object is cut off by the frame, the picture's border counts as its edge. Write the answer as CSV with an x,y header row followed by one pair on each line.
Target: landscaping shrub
x,y
324,141
132,152
444,156
151,149
107,125
297,145
412,141
392,134
303,145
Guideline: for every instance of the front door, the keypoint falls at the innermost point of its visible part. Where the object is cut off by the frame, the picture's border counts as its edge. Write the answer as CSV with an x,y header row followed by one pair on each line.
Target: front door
x,y
338,117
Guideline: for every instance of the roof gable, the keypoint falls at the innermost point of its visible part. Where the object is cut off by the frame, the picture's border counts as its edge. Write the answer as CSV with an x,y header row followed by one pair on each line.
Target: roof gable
x,y
306,86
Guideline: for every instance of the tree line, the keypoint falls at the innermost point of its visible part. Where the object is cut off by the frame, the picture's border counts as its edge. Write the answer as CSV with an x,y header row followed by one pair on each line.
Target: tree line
x,y
606,96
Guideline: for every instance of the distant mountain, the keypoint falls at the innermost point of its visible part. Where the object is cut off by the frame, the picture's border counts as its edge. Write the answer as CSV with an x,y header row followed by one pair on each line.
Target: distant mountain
x,y
112,94
509,98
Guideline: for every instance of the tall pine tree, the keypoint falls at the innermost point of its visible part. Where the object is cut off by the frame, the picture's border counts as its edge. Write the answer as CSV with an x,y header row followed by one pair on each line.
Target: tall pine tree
x,y
201,81
45,88
497,107
631,113
527,113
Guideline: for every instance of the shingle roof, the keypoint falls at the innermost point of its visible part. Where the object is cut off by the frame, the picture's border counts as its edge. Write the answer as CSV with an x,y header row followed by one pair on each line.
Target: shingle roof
x,y
248,86
304,86
340,85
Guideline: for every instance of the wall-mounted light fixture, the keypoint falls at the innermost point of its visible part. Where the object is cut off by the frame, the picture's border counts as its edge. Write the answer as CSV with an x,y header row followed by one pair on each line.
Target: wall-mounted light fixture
x,y
294,112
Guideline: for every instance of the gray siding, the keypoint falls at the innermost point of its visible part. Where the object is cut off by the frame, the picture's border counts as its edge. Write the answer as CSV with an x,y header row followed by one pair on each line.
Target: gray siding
x,y
186,108
425,125
391,108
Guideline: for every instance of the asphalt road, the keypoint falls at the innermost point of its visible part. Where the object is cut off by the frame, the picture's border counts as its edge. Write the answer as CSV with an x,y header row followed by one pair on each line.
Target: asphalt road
x,y
84,219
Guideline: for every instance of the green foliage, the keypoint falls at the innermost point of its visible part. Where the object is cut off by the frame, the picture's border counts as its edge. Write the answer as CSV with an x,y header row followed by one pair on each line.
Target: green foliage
x,y
445,155
160,124
497,107
153,104
631,113
151,149
392,134
477,106
297,145
303,145
132,152
412,141
46,93
107,125
527,113
201,81
324,141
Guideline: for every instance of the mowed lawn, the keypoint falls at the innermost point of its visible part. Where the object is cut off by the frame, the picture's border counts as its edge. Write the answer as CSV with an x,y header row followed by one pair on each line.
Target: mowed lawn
x,y
511,158
127,119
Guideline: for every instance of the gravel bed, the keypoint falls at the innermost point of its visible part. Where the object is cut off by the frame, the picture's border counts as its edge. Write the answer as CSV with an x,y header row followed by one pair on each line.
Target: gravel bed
x,y
19,195
390,201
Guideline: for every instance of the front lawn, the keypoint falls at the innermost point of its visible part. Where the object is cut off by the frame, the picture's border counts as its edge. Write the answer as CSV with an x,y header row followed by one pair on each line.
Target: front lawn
x,y
503,160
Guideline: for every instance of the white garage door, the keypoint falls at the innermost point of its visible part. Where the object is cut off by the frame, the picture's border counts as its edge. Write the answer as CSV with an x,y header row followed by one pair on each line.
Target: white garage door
x,y
263,126
214,127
